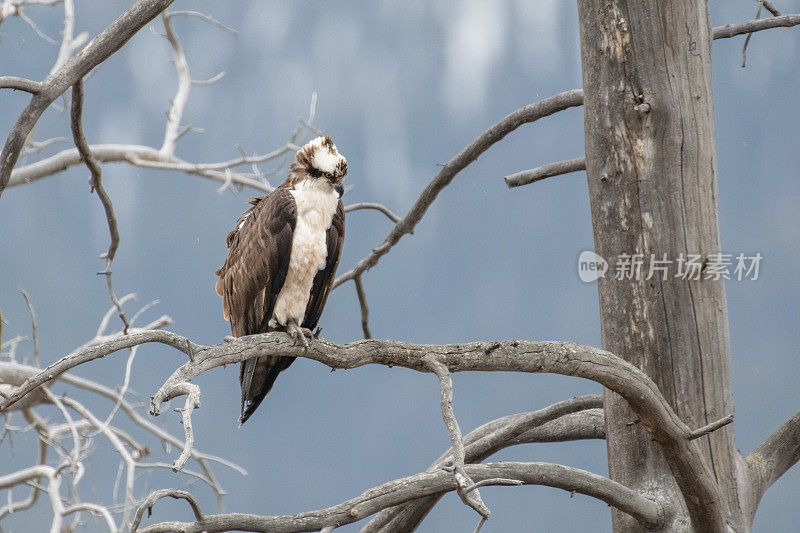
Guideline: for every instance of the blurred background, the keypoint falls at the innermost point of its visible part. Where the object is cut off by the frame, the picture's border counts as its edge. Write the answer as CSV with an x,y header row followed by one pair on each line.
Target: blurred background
x,y
402,87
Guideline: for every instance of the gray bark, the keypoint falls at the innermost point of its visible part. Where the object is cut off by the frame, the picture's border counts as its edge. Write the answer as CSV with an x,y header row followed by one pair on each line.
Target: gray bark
x,y
651,172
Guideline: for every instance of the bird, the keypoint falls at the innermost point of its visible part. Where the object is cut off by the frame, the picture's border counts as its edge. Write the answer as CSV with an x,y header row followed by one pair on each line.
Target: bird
x,y
282,260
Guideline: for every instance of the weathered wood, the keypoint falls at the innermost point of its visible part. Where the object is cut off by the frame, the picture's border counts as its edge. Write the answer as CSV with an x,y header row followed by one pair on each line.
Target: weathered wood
x,y
651,170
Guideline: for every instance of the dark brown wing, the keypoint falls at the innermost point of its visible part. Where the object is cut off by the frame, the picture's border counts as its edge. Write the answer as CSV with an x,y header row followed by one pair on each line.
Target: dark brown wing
x,y
323,281
250,280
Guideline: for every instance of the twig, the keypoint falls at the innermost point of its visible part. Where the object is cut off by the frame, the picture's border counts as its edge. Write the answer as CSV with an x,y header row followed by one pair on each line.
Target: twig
x,y
529,113
34,327
205,18
732,30
34,147
710,428
362,301
770,7
750,35
370,205
117,444
96,185
29,21
66,48
545,171
204,83
184,86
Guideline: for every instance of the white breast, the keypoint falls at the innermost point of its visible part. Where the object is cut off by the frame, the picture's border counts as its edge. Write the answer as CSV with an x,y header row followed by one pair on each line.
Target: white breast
x,y
316,204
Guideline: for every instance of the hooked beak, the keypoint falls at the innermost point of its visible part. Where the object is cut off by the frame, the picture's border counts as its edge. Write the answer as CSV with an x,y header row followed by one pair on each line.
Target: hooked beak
x,y
339,188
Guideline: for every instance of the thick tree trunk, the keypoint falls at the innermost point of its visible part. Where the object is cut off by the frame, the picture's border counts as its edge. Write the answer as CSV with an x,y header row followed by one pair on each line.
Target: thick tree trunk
x,y
651,167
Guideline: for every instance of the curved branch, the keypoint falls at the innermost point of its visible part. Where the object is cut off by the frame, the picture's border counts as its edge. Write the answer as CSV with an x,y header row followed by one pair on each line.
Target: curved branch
x,y
529,113
165,493
773,457
371,205
647,511
98,50
732,30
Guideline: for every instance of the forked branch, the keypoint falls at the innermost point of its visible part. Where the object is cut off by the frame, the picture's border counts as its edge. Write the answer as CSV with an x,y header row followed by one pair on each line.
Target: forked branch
x,y
648,512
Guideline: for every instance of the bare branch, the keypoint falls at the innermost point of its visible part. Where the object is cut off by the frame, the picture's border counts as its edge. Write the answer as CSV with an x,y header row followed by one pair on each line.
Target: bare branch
x,y
529,113
560,421
90,352
101,47
710,428
770,7
166,493
204,83
96,185
20,84
362,301
545,171
471,497
750,35
773,457
34,327
205,18
30,501
34,147
732,30
182,95
370,205
140,156
192,393
684,456
648,512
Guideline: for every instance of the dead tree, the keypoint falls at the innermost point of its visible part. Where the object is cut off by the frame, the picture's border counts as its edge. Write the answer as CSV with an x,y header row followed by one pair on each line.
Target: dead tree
x,y
665,413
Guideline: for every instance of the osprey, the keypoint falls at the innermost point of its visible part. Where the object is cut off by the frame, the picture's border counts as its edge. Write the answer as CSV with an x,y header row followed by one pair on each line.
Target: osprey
x,y
282,258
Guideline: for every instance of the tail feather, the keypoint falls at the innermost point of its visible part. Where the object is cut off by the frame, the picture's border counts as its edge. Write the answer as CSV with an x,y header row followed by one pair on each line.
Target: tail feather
x,y
256,378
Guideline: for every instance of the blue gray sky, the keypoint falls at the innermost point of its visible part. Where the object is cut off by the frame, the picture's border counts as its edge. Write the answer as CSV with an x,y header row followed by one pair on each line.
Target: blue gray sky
x,y
402,87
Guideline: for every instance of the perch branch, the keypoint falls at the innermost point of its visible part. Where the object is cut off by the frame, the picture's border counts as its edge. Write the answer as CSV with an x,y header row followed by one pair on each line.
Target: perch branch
x,y
684,456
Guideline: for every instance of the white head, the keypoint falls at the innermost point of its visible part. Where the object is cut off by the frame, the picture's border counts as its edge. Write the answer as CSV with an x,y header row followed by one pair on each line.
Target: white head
x,y
319,159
